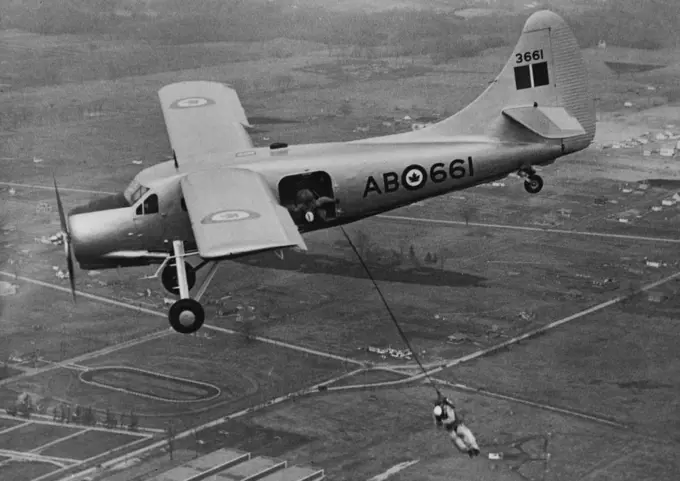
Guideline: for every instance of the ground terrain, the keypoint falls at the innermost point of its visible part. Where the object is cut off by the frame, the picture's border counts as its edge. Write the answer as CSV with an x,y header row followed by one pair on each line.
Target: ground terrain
x,y
598,393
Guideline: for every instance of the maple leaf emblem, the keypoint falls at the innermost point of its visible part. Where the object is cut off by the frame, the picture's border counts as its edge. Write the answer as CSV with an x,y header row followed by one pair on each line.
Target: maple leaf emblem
x,y
414,178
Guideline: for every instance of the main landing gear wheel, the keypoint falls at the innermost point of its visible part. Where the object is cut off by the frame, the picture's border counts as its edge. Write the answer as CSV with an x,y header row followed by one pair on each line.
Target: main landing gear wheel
x,y
533,184
186,316
170,280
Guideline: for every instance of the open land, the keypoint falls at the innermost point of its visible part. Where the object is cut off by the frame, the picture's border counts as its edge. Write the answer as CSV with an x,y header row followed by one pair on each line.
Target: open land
x,y
596,393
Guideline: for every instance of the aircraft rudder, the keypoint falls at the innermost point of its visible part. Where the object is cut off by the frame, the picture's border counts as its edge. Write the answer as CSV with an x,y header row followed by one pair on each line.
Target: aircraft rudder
x,y
546,69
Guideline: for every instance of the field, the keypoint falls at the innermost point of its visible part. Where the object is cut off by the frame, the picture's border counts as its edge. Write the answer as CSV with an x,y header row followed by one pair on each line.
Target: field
x,y
38,447
463,273
24,470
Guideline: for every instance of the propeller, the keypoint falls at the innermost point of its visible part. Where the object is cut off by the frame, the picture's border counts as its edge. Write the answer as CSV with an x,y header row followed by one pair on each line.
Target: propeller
x,y
66,238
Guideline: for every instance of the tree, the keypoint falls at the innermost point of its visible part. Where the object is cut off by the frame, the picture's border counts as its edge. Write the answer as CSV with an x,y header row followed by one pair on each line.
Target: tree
x,y
93,417
346,108
467,212
26,406
196,441
444,254
170,438
134,421
110,419
412,255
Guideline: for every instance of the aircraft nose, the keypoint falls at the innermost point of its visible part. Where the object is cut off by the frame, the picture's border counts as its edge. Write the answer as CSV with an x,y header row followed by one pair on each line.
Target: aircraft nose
x,y
95,234
84,237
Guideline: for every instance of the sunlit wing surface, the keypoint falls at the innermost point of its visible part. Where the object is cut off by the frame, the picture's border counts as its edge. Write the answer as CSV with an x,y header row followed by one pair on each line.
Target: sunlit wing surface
x,y
203,118
233,211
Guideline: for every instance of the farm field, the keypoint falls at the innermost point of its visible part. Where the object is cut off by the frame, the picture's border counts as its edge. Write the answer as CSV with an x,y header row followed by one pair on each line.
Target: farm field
x,y
463,273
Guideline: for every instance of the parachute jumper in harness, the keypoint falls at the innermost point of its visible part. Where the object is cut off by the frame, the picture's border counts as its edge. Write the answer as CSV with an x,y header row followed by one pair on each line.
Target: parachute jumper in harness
x,y
445,415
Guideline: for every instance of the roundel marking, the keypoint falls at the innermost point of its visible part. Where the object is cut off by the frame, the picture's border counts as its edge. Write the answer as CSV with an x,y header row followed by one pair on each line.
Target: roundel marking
x,y
413,177
229,216
191,102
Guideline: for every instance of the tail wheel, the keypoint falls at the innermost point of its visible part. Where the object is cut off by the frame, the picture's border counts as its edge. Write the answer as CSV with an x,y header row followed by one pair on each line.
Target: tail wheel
x,y
186,316
169,277
533,184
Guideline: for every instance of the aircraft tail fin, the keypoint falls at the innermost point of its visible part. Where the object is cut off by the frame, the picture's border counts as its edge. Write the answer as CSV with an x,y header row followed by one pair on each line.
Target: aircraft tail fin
x,y
543,90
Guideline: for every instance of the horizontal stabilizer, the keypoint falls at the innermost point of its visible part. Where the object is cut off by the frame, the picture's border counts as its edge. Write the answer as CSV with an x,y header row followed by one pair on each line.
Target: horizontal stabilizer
x,y
548,122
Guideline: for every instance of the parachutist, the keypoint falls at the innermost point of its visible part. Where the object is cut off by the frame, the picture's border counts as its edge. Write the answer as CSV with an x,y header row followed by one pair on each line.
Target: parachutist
x,y
445,415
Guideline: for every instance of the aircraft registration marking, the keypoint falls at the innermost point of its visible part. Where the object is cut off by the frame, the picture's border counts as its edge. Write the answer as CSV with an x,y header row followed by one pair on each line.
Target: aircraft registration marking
x,y
229,216
415,177
534,55
191,102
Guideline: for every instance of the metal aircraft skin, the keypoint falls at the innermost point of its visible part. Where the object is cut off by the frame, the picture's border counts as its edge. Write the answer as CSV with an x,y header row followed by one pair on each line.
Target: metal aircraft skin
x,y
220,197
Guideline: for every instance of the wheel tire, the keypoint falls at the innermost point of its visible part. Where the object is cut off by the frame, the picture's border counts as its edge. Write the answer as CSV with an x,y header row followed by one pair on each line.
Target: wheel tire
x,y
180,307
169,277
533,184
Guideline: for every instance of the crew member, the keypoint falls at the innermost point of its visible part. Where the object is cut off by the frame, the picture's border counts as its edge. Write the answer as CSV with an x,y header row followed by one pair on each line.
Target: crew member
x,y
446,415
309,204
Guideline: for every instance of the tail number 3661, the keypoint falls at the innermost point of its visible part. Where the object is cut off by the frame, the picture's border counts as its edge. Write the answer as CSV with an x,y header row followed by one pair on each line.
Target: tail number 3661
x,y
529,56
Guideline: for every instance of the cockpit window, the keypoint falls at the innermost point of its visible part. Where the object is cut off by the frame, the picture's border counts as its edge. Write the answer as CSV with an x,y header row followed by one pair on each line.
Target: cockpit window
x,y
149,206
135,191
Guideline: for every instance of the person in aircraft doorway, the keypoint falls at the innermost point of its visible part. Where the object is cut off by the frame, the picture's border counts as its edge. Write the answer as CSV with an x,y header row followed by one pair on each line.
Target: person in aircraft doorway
x,y
445,415
309,205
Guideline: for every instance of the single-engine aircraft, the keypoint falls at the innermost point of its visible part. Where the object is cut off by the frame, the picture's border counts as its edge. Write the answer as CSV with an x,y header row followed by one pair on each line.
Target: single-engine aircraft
x,y
219,197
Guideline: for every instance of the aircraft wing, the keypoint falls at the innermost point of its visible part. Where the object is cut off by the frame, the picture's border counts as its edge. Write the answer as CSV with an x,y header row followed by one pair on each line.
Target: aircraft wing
x,y
203,118
548,122
233,211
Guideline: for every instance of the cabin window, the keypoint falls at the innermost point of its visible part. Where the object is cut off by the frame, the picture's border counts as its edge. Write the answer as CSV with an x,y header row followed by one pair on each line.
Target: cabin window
x,y
149,206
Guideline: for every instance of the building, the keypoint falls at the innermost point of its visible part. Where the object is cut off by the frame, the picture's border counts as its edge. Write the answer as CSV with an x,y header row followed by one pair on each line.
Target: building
x,y
232,464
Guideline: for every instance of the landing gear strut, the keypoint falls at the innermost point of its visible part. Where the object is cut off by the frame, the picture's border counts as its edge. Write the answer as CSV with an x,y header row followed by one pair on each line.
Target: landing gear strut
x,y
186,315
533,183
170,280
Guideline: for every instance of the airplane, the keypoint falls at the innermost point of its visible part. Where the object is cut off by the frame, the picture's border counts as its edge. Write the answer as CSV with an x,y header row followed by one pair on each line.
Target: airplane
x,y
219,197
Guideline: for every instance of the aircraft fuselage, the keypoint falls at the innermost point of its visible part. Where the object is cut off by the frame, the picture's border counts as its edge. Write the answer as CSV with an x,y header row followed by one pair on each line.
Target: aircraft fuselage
x,y
367,179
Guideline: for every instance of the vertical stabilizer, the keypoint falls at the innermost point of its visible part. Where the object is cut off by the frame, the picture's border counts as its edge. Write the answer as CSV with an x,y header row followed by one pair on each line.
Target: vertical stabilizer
x,y
546,69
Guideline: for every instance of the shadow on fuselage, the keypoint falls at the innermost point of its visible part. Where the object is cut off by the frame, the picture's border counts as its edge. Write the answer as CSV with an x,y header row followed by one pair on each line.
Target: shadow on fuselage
x,y
308,263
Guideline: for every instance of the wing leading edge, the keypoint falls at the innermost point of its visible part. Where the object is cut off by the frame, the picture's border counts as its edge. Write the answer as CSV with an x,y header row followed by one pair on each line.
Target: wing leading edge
x,y
203,118
233,211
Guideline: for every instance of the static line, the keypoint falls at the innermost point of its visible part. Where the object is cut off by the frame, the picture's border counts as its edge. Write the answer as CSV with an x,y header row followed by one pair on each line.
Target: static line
x,y
527,228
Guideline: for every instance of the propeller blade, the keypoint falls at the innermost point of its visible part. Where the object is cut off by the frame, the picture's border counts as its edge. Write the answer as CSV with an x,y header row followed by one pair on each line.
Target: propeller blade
x,y
67,241
60,207
71,274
